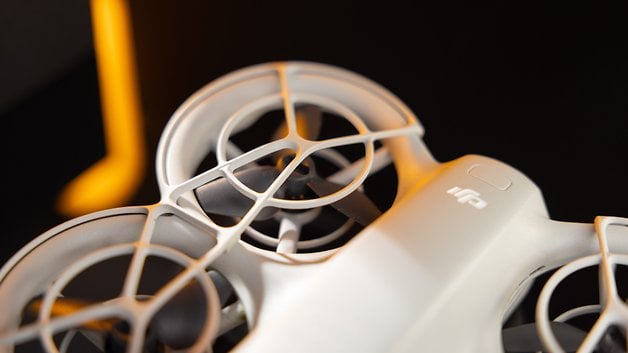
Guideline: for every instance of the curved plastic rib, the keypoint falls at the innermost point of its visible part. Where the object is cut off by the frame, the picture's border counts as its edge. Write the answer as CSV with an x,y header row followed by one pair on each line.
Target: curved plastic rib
x,y
113,180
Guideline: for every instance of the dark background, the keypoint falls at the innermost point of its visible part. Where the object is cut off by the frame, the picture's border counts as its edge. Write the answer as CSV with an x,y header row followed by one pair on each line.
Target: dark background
x,y
541,87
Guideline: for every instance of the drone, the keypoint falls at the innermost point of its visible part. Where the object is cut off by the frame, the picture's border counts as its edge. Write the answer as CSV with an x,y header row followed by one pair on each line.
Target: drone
x,y
301,211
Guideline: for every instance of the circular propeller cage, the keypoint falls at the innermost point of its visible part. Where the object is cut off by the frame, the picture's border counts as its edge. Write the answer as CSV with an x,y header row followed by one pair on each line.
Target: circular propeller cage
x,y
240,103
612,310
578,306
142,258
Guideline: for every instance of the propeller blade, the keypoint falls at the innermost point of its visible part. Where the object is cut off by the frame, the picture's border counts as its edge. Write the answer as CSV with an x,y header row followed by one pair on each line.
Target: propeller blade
x,y
220,197
179,322
226,293
309,119
524,338
356,205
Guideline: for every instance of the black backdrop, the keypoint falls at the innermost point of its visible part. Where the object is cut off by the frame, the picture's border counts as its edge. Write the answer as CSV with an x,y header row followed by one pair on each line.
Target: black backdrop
x,y
541,87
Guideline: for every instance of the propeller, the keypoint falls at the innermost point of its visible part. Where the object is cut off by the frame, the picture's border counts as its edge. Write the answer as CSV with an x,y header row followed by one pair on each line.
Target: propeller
x,y
221,198
180,321
524,338
356,205
177,324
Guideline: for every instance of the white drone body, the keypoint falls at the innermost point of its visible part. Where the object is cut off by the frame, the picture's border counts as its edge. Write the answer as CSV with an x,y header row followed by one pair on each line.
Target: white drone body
x,y
440,270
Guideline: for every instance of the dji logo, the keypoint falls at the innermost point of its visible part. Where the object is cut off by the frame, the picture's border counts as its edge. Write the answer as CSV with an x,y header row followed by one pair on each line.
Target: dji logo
x,y
468,196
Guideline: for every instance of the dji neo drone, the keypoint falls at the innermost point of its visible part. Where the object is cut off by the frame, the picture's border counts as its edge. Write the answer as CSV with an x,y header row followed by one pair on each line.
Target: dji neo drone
x,y
300,211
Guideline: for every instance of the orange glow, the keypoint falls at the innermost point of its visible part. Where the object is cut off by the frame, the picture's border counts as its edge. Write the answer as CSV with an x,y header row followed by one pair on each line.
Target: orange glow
x,y
63,307
112,181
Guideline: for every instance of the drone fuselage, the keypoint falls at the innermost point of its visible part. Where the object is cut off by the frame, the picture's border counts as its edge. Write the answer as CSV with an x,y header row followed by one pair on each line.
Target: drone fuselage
x,y
404,282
